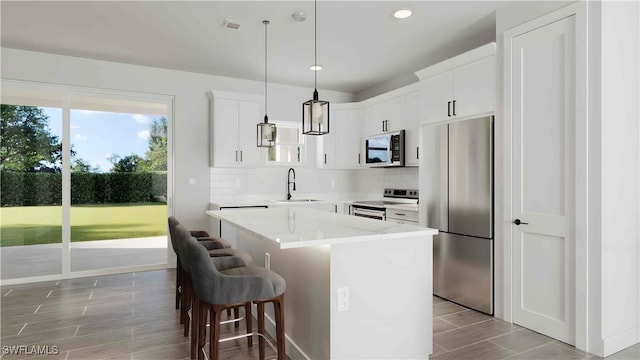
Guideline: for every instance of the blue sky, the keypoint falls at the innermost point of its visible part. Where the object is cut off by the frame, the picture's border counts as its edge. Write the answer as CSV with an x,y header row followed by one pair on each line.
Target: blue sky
x,y
95,135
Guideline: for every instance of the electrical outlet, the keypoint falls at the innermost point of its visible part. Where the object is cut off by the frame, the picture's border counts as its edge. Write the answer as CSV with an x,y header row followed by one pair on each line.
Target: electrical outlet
x,y
267,261
343,298
192,181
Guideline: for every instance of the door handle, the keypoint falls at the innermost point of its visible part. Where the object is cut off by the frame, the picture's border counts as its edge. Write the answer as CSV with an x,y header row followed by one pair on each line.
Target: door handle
x,y
518,222
454,108
449,108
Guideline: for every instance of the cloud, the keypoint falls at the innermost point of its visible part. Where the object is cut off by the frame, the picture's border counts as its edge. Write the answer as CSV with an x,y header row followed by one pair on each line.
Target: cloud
x,y
87,112
144,135
141,119
80,137
75,126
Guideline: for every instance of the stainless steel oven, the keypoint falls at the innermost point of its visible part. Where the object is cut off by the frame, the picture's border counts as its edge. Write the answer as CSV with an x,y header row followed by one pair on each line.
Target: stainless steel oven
x,y
377,209
371,212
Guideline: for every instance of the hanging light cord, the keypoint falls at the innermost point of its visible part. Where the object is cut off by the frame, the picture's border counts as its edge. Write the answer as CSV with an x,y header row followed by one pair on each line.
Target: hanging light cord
x,y
315,43
265,22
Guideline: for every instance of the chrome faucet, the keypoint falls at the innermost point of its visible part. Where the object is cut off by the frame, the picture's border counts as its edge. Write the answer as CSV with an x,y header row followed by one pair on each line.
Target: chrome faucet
x,y
289,182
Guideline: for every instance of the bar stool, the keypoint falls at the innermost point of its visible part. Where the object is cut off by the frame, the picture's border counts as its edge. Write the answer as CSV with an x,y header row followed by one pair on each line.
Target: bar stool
x,y
219,289
182,236
216,246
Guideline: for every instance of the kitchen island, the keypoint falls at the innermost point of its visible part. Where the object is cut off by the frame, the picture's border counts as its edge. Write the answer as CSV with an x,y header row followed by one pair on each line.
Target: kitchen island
x,y
356,288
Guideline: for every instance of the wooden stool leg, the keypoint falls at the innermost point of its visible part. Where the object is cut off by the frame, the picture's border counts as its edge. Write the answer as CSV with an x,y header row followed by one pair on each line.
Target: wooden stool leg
x,y
261,329
248,321
236,314
229,313
178,283
186,305
278,307
214,329
202,333
195,321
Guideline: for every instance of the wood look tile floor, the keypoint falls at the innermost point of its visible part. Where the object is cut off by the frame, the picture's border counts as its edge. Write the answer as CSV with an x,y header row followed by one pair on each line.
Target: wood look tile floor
x,y
132,316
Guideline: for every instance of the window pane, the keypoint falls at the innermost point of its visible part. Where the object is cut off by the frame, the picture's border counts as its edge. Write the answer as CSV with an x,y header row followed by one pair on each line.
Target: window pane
x,y
31,193
118,190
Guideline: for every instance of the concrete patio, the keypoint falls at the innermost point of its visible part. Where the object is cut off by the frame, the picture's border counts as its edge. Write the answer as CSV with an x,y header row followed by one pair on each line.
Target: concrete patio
x,y
38,260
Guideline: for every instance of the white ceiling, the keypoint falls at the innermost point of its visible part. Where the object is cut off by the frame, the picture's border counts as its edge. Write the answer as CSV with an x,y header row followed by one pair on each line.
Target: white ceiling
x,y
360,44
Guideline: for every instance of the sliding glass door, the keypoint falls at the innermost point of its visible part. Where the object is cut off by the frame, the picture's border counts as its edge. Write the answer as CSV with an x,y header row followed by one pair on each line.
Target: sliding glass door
x,y
85,184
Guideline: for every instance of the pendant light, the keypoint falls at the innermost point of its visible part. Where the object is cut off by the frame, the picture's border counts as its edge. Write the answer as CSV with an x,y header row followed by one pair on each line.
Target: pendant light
x,y
266,131
315,113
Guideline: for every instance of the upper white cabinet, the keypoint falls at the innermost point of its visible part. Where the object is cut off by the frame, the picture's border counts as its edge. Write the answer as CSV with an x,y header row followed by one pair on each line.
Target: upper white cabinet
x,y
233,129
341,147
398,110
384,115
412,127
459,87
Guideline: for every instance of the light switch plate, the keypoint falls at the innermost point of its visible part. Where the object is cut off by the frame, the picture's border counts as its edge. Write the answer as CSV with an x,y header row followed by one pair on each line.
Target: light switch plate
x,y
343,298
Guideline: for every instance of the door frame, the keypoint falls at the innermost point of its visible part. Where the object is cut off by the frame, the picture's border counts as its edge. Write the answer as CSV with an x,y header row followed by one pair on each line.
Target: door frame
x,y
579,10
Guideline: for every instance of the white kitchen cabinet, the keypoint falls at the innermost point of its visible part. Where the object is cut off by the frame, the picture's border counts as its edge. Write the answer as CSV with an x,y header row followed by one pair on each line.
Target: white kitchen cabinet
x,y
459,87
384,116
234,118
373,117
341,147
412,129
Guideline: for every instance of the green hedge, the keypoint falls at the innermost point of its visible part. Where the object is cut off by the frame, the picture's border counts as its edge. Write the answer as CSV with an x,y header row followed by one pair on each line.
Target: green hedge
x,y
29,189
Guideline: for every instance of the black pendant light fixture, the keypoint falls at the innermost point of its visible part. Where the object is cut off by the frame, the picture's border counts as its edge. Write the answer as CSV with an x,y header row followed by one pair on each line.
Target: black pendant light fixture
x,y
266,131
315,113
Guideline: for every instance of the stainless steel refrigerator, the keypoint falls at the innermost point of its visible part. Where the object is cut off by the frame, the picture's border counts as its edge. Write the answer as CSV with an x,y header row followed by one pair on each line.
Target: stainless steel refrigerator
x,y
456,189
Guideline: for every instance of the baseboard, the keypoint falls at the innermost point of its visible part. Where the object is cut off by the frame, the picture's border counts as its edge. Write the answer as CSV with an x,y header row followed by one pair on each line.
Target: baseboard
x,y
619,342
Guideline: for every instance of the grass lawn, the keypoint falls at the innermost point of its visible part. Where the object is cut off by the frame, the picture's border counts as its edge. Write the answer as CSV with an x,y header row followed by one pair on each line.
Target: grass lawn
x,y
31,225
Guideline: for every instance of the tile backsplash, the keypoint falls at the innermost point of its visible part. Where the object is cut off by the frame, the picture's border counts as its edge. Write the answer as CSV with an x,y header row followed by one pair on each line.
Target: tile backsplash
x,y
228,184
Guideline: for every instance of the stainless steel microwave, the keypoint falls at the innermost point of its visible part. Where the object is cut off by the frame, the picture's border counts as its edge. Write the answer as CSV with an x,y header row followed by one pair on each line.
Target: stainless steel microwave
x,y
385,150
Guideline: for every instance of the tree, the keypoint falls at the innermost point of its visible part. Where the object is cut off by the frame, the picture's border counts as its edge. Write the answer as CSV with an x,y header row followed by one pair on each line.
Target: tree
x,y
129,163
81,166
156,156
26,143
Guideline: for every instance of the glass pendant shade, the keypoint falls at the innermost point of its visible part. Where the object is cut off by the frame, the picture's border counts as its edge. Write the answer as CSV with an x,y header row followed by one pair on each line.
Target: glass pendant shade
x,y
266,133
315,113
315,116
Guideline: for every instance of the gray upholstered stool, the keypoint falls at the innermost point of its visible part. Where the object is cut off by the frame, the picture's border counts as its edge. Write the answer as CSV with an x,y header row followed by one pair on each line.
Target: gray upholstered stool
x,y
219,289
188,300
216,246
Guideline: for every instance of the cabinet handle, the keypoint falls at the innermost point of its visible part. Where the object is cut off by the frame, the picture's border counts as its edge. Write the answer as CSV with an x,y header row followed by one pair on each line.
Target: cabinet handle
x,y
325,158
417,152
383,125
335,207
400,214
454,108
240,155
358,158
236,155
449,108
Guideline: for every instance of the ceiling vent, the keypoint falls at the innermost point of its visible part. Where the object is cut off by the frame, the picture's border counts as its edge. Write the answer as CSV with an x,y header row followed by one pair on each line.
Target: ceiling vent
x,y
231,24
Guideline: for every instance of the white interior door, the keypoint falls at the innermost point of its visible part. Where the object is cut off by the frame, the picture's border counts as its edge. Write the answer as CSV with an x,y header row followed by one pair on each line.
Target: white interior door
x,y
543,179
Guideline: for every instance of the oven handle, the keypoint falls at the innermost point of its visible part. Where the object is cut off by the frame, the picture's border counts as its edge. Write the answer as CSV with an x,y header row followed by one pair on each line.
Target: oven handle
x,y
364,212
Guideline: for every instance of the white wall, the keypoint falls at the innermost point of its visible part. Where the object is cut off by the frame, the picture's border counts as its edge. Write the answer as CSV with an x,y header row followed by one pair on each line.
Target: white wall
x,y
620,174
191,145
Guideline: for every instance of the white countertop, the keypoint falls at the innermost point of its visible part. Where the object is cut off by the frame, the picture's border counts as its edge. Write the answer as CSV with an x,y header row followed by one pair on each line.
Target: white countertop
x,y
299,227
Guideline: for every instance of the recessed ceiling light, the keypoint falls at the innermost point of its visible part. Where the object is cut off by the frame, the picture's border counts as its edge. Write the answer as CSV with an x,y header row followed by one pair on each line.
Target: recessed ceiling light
x,y
316,67
299,16
402,14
